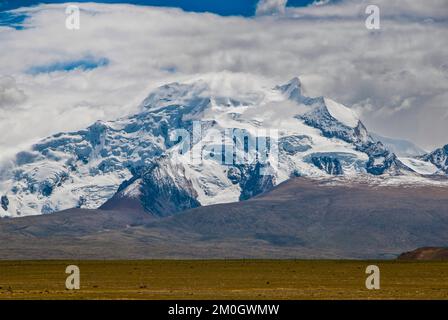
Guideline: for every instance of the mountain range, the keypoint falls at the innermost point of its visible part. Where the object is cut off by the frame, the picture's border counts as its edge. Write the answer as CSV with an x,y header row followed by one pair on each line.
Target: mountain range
x,y
300,218
137,156
204,171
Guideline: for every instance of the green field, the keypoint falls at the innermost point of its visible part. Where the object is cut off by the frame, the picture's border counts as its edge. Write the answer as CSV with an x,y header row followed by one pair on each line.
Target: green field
x,y
223,279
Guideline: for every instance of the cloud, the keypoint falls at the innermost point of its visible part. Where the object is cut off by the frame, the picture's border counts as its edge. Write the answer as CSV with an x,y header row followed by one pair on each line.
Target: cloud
x,y
320,2
10,95
395,77
270,7
390,9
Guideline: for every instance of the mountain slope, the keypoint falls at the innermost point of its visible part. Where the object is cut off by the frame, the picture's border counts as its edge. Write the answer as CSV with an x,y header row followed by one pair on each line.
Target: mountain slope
x,y
301,218
401,147
427,253
195,144
438,158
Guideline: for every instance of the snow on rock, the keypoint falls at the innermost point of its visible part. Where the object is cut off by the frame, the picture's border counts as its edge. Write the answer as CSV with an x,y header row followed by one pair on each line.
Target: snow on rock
x,y
341,113
419,166
139,157
402,148
438,158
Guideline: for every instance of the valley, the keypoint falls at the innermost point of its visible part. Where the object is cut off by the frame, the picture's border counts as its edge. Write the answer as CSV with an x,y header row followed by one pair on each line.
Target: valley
x,y
298,219
223,279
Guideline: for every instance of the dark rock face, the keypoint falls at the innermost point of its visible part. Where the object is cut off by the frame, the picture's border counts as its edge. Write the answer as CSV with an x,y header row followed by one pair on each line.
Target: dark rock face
x,y
292,89
254,182
295,144
328,164
25,157
234,175
439,158
96,133
46,189
163,195
330,127
381,160
4,202
164,190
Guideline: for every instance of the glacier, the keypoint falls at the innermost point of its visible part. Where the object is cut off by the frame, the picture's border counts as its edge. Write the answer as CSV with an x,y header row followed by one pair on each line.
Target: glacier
x,y
136,156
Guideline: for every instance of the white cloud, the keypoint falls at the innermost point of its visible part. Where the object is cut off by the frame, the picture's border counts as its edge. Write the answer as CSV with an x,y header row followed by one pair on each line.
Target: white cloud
x,y
10,95
396,77
320,2
396,9
269,7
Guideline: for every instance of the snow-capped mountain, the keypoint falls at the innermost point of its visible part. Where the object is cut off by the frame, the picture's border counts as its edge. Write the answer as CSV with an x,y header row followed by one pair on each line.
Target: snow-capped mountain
x,y
152,156
434,163
439,158
401,147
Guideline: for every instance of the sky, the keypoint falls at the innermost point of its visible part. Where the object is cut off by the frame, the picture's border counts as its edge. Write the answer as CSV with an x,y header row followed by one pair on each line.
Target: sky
x,y
53,79
228,7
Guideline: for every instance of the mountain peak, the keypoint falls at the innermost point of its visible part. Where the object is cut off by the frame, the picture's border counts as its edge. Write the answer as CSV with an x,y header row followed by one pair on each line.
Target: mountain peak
x,y
294,82
175,93
292,89
315,137
439,158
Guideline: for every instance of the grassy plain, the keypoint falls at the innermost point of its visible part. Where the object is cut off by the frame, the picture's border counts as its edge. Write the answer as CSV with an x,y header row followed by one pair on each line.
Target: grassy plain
x,y
223,279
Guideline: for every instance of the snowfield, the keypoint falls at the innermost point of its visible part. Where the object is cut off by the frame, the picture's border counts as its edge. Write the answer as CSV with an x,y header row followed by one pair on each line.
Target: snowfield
x,y
138,157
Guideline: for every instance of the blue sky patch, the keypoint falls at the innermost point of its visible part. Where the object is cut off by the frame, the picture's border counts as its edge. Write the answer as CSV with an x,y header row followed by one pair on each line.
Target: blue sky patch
x,y
84,64
13,20
224,7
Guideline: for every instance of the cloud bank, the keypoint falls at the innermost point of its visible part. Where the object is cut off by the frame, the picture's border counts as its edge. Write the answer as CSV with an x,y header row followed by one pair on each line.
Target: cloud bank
x,y
270,7
396,78
10,95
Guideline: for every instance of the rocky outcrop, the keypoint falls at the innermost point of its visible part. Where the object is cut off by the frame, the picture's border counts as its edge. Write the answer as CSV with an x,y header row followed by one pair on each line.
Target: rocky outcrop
x,y
439,158
165,194
4,202
426,253
328,164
